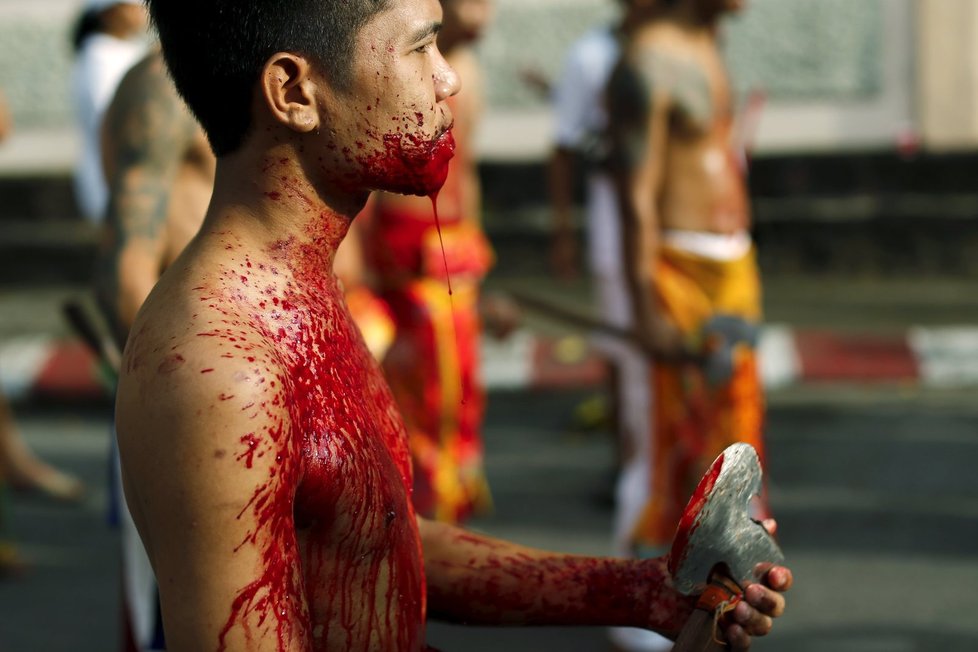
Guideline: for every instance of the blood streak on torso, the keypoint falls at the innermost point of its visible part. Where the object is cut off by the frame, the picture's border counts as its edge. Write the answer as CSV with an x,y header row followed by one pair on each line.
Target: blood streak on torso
x,y
355,556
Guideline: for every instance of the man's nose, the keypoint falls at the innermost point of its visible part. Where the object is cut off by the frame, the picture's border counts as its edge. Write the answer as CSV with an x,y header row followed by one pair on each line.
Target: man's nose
x,y
447,82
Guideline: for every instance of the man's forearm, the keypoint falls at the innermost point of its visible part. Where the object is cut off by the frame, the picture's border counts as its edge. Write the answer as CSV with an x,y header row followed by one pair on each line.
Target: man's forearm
x,y
478,580
639,249
561,188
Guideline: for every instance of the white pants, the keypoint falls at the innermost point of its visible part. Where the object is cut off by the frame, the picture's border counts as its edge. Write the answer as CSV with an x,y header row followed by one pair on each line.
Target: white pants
x,y
139,588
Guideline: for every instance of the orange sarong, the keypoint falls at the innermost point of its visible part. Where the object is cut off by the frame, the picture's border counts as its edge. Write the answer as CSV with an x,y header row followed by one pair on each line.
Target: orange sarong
x,y
694,421
432,364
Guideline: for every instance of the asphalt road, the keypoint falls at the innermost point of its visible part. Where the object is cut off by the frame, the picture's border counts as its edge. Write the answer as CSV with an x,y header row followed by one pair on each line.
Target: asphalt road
x,y
875,492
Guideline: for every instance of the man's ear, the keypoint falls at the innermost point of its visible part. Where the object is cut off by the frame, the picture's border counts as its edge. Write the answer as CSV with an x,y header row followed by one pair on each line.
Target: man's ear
x,y
289,90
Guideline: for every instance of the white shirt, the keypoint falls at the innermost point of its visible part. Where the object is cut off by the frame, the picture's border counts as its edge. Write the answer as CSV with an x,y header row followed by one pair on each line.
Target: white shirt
x,y
101,63
581,119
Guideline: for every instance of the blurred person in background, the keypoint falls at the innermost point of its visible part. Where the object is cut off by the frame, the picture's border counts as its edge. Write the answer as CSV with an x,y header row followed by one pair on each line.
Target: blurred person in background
x,y
371,314
581,141
108,39
693,280
160,171
19,467
432,364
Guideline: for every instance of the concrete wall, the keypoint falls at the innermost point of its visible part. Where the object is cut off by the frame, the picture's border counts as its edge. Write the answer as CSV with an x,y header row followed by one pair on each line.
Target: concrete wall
x,y
839,74
947,68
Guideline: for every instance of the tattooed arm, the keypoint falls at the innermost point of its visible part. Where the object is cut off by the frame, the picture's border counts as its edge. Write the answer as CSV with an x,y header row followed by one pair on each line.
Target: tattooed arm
x,y
146,134
478,580
639,104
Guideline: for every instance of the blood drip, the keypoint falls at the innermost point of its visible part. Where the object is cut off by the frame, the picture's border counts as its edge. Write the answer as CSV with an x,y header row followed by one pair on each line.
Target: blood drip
x,y
688,524
441,242
448,279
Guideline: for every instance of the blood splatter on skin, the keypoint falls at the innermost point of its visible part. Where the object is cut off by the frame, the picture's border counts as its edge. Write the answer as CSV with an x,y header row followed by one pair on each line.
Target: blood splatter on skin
x,y
503,584
340,508
341,560
171,363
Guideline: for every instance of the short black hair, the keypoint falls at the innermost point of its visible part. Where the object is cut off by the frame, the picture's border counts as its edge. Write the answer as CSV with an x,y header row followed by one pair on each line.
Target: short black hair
x,y
88,22
215,50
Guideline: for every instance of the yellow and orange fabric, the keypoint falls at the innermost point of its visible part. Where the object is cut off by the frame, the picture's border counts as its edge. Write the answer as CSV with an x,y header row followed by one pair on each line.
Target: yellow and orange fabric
x,y
694,420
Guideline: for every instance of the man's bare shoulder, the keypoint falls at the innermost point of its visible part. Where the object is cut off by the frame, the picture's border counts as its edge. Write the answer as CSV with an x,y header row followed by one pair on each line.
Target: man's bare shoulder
x,y
194,361
660,63
149,74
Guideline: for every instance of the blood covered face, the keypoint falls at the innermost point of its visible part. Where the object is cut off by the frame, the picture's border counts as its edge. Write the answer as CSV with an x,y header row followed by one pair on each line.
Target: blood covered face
x,y
390,130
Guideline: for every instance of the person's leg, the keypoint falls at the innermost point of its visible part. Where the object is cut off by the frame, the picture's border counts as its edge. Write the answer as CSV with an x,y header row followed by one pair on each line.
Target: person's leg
x,y
10,560
24,470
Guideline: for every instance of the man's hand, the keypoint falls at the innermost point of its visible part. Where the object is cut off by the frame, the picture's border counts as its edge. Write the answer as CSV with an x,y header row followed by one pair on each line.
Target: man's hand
x,y
762,603
663,340
755,614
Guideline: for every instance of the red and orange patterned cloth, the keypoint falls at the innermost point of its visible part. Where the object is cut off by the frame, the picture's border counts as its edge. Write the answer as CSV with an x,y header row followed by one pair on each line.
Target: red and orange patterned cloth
x,y
694,420
432,364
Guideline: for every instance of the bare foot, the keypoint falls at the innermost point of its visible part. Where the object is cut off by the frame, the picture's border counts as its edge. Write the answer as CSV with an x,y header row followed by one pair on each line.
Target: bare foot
x,y
12,564
51,482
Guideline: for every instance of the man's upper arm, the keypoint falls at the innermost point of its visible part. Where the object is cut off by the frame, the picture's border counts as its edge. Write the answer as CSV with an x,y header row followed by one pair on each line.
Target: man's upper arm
x,y
210,477
147,132
639,108
639,101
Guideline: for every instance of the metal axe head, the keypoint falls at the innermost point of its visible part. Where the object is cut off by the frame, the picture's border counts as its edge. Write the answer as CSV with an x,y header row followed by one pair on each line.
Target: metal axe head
x,y
716,527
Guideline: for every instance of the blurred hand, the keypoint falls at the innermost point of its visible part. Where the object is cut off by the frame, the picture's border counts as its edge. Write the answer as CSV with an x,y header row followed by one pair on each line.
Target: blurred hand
x,y
500,315
537,81
563,256
663,340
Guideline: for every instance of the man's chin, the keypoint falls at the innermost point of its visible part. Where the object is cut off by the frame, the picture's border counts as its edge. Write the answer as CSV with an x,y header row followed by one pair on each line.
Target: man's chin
x,y
409,167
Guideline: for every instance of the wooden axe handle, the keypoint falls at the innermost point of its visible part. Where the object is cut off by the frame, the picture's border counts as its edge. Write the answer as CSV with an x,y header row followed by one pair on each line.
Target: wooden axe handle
x,y
569,316
700,633
86,329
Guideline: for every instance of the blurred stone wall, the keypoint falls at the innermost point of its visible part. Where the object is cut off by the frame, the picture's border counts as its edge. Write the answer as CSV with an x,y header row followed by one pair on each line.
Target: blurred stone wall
x,y
830,52
805,49
35,61
794,49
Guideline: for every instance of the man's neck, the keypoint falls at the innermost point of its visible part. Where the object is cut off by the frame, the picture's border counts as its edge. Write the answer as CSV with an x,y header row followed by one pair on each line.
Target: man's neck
x,y
698,22
268,201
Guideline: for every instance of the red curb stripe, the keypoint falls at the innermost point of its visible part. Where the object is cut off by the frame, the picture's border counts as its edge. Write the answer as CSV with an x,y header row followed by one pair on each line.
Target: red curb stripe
x,y
70,371
829,356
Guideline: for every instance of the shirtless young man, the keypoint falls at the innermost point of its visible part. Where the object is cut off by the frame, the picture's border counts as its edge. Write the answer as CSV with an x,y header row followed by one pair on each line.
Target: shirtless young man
x,y
688,254
263,457
160,171
432,365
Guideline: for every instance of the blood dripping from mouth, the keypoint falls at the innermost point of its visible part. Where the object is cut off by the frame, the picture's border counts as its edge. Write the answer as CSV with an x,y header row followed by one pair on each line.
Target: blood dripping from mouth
x,y
411,164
